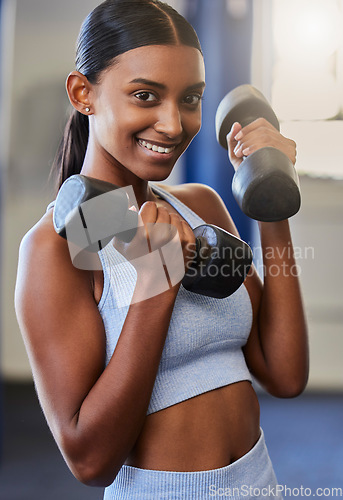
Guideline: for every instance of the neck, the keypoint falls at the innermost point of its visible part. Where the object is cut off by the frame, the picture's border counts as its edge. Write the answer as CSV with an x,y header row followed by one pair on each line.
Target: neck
x,y
118,175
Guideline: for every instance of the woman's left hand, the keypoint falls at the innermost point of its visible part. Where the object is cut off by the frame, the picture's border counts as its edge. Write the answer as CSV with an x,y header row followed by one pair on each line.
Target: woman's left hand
x,y
258,134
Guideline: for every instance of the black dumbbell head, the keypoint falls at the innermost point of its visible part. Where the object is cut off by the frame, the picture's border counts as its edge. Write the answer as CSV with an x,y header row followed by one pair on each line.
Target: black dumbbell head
x,y
92,206
267,194
222,265
74,191
244,104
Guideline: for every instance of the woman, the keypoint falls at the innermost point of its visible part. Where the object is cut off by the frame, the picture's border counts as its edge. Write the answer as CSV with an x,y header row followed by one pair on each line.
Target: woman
x,y
154,399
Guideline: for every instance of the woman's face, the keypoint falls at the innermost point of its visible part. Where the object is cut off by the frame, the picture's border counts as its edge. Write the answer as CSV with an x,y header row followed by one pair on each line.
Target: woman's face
x,y
147,109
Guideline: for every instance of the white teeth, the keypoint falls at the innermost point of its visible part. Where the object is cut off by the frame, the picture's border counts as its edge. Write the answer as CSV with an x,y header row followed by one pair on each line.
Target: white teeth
x,y
145,144
157,149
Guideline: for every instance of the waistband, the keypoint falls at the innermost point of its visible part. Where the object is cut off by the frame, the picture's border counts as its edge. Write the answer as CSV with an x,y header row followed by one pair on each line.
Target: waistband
x,y
251,476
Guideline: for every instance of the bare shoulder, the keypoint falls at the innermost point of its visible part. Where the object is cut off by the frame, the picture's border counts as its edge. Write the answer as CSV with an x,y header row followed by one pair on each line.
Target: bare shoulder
x,y
41,236
42,246
205,202
44,265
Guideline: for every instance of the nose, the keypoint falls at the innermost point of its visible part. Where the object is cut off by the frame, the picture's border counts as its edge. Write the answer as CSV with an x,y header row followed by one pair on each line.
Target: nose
x,y
169,120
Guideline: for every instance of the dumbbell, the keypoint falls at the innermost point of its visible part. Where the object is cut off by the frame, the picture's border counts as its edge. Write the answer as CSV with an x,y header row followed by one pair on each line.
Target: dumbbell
x,y
221,260
221,264
266,184
79,217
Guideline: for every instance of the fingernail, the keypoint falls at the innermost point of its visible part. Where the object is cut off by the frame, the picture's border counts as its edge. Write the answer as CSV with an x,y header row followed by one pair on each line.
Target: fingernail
x,y
238,136
245,151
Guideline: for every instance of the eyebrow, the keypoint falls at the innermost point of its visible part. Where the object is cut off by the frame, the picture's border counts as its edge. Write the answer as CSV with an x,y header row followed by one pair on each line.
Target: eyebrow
x,y
161,86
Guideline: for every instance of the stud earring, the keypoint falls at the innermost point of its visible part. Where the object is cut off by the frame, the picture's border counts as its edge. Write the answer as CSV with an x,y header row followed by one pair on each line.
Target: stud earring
x,y
87,110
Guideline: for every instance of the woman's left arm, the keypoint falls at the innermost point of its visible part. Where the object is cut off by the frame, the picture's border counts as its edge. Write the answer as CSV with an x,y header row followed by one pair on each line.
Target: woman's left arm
x,y
277,349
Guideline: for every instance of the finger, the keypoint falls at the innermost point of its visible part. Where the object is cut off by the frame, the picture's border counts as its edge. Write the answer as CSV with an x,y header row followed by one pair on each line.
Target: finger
x,y
253,142
231,141
262,138
187,237
188,233
162,230
176,226
164,225
234,152
186,241
148,212
238,151
163,215
255,125
257,134
262,134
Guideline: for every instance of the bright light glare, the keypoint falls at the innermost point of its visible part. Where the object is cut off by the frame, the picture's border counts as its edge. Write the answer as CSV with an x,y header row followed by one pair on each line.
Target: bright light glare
x,y
303,94
308,36
306,30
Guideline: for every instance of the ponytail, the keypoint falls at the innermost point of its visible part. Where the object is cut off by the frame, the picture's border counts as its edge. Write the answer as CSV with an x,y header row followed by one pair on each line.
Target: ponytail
x,y
72,148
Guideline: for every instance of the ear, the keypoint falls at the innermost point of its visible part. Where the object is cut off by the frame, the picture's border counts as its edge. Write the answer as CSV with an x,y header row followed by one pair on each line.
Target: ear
x,y
79,90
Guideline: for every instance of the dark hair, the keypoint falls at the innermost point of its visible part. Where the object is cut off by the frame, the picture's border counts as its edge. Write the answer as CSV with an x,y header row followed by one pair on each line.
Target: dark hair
x,y
112,28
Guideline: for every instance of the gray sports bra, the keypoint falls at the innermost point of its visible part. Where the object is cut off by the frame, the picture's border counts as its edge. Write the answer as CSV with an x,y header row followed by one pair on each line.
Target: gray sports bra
x,y
203,347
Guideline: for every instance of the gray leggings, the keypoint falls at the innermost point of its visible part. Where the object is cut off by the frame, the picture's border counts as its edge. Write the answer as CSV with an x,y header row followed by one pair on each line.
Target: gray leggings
x,y
251,476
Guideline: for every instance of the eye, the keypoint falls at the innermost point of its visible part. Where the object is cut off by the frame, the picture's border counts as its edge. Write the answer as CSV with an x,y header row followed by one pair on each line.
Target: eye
x,y
192,99
146,96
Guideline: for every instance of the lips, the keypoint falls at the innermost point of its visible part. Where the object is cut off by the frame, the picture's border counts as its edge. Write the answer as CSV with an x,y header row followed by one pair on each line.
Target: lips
x,y
157,148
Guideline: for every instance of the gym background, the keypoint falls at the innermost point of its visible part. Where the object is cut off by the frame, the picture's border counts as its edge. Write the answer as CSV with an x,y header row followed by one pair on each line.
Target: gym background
x,y
291,50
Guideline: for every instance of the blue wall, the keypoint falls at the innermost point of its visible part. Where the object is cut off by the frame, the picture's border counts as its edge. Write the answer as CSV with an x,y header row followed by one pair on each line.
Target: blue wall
x,y
226,44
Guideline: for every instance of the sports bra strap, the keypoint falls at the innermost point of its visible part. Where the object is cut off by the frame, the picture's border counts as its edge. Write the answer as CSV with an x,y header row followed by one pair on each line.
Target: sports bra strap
x,y
191,217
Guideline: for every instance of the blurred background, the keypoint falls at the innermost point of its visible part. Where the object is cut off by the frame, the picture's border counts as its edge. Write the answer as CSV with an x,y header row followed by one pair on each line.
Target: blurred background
x,y
291,50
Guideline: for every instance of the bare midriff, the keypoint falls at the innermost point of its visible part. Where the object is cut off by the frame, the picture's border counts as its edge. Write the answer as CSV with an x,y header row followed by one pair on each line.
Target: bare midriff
x,y
208,431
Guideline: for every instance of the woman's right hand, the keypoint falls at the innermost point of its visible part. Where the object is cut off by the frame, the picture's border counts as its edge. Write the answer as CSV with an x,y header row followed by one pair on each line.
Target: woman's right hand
x,y
161,249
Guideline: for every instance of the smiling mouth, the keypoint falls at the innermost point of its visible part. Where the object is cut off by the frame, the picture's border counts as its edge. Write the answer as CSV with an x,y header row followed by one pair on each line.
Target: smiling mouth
x,y
155,148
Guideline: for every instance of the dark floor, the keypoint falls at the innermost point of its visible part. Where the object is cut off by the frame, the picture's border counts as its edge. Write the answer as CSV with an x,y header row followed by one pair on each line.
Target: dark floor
x,y
32,467
304,437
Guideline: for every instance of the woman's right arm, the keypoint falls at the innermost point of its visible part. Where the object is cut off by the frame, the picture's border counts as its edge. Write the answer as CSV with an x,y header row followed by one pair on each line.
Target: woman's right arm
x,y
95,413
